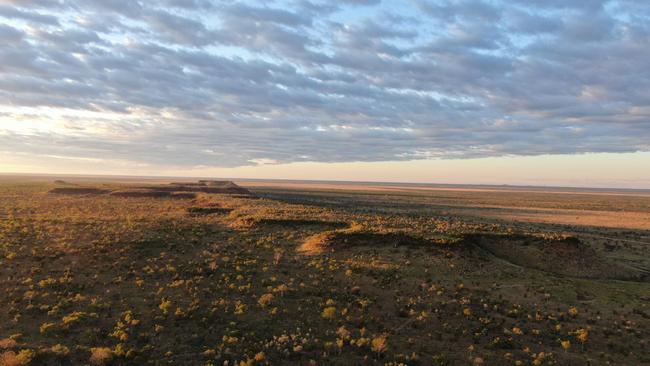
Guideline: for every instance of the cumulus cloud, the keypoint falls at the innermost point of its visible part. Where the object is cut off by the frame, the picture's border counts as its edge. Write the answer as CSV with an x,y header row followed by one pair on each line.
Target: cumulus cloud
x,y
200,83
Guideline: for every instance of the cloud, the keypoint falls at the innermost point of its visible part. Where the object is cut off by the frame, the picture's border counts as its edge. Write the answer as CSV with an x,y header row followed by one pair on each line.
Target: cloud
x,y
31,16
194,83
10,35
362,2
241,12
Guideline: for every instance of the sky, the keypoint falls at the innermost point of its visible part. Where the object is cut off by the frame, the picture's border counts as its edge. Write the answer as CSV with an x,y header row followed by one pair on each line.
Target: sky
x,y
553,92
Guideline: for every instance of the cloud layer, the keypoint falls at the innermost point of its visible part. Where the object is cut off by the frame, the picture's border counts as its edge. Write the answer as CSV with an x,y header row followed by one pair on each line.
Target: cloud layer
x,y
206,83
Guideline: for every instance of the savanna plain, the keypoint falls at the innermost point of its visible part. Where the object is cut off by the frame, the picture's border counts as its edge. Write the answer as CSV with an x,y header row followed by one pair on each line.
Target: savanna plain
x,y
99,271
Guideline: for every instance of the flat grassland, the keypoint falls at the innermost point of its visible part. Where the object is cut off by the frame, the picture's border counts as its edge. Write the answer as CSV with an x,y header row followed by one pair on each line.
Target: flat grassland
x,y
110,272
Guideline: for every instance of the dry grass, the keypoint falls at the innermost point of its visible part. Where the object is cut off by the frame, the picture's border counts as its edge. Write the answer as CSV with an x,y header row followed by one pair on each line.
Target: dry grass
x,y
560,255
349,238
99,279
152,193
78,191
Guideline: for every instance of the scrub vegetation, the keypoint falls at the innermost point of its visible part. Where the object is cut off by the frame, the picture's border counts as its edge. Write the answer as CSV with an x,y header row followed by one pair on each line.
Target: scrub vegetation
x,y
211,273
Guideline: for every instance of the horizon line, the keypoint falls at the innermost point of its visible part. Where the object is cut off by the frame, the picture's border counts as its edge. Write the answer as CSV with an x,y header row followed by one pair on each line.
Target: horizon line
x,y
349,182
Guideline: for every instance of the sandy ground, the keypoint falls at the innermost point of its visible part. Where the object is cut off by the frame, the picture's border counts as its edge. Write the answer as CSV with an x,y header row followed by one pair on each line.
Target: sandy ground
x,y
610,219
457,188
618,217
